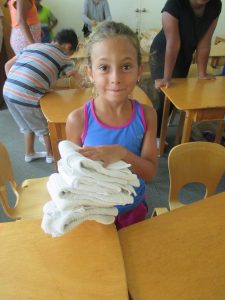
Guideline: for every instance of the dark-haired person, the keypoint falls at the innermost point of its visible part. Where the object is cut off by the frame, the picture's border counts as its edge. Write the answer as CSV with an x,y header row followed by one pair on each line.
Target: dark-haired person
x,y
30,76
187,26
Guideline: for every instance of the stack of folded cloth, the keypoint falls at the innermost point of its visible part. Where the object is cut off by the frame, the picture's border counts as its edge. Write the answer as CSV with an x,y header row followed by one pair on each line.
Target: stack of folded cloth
x,y
85,190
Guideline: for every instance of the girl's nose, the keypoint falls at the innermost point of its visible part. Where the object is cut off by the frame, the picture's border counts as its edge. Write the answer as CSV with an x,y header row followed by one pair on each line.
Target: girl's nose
x,y
115,76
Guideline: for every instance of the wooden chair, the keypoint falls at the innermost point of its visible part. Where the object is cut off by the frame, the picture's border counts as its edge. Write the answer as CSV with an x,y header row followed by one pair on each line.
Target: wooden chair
x,y
194,162
30,195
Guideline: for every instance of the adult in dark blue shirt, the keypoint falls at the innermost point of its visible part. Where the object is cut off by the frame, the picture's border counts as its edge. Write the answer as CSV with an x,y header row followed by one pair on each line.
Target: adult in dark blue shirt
x,y
188,26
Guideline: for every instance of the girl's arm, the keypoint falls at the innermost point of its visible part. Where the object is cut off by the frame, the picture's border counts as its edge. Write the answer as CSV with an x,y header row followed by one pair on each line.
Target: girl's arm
x,y
144,165
75,126
203,50
22,8
171,31
9,64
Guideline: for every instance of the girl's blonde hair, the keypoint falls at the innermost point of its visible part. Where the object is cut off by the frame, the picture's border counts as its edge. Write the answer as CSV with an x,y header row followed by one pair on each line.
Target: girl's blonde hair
x,y
110,29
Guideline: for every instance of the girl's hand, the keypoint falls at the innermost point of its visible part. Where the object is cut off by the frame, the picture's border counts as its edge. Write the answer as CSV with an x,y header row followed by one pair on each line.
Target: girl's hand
x,y
162,83
106,154
206,77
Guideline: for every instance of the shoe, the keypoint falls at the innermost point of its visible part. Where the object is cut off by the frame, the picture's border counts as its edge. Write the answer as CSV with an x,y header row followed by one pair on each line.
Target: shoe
x,y
36,155
49,159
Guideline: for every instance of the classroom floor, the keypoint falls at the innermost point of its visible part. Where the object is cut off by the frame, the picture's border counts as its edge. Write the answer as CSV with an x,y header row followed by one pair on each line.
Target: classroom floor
x,y
156,191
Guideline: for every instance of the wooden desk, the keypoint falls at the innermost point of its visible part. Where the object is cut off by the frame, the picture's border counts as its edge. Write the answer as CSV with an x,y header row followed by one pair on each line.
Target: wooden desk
x,y
80,54
178,255
86,263
57,105
199,99
219,38
217,53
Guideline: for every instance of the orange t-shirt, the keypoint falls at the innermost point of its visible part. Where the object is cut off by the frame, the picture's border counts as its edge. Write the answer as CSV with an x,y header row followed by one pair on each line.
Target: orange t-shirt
x,y
32,15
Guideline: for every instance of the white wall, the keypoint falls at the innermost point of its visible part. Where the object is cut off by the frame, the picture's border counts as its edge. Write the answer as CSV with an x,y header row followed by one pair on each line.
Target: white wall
x,y
68,13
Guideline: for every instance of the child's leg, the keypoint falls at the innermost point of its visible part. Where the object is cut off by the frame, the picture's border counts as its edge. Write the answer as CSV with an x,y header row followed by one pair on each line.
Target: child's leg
x,y
29,143
48,144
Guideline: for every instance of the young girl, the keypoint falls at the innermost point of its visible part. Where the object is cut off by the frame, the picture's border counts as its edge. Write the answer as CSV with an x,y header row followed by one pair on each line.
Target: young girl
x,y
112,126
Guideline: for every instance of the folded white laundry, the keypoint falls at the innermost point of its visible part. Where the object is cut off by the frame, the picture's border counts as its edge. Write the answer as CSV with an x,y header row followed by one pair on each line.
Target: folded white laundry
x,y
61,186
85,190
74,160
77,171
74,182
57,222
66,148
68,198
84,183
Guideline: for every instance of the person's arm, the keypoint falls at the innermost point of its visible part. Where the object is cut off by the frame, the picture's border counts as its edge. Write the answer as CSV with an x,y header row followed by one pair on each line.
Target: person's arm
x,y
52,21
79,81
75,126
107,13
22,8
84,12
171,31
144,165
9,64
203,50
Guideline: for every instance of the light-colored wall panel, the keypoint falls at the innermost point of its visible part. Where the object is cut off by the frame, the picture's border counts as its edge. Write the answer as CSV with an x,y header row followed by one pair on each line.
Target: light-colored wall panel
x,y
68,13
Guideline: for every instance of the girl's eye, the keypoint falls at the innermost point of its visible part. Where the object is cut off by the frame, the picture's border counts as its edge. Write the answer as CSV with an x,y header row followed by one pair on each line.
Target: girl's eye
x,y
126,67
103,68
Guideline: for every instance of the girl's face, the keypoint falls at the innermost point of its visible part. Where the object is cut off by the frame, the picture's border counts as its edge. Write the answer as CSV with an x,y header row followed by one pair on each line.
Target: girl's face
x,y
115,70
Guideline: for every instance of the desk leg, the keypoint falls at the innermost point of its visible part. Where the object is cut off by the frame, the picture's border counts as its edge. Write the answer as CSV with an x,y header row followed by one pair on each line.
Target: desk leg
x,y
219,131
214,62
164,125
180,128
189,117
54,140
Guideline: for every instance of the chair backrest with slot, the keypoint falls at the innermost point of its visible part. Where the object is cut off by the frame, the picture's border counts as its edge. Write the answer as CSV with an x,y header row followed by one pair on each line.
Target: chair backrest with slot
x,y
195,162
30,196
6,177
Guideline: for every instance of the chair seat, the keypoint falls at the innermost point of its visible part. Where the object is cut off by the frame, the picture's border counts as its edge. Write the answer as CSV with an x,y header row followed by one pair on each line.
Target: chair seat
x,y
33,194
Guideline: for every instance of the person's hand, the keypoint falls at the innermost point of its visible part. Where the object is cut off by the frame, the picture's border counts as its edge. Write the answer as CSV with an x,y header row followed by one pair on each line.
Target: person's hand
x,y
162,83
106,154
78,80
207,77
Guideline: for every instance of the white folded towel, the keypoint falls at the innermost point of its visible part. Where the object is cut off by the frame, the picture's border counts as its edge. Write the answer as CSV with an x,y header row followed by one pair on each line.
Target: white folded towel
x,y
85,190
81,183
73,160
69,198
57,222
61,186
66,148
